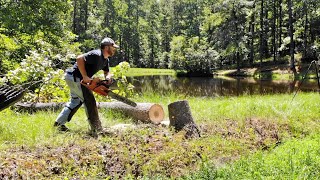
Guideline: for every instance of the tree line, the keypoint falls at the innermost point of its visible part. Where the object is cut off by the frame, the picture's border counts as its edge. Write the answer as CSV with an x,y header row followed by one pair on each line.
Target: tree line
x,y
191,35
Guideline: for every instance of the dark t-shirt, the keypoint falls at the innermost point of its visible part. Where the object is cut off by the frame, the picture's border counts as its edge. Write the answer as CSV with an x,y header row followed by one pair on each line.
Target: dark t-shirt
x,y
94,62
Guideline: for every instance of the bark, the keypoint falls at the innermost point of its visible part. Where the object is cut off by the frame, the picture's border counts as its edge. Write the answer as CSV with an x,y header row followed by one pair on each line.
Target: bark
x,y
237,37
86,15
280,25
80,28
274,47
75,16
292,64
145,112
251,27
266,31
152,55
261,33
34,107
238,62
181,118
305,40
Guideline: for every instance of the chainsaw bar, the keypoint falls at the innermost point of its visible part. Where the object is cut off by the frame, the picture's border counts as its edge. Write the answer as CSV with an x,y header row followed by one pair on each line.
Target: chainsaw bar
x,y
121,98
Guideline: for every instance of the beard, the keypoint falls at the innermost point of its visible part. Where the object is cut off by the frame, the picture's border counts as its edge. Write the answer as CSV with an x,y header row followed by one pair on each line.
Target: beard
x,y
111,51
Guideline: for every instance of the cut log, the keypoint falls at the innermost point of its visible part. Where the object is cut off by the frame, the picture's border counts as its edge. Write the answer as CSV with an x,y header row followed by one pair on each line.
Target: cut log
x,y
145,112
34,107
181,118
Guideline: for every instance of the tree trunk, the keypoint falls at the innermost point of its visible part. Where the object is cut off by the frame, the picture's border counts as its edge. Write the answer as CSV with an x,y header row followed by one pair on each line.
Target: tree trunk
x,y
292,65
181,118
280,25
152,55
237,39
238,62
261,33
266,31
145,112
75,19
305,39
251,27
34,107
274,17
86,15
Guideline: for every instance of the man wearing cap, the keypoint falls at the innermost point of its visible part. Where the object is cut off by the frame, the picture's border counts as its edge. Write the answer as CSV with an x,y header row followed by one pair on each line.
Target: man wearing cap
x,y
85,67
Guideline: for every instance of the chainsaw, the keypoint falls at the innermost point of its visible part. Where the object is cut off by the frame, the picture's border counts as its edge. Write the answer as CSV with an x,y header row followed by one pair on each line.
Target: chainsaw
x,y
102,87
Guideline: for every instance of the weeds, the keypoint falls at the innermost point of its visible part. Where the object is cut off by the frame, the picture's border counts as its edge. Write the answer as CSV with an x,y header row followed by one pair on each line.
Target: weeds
x,y
242,138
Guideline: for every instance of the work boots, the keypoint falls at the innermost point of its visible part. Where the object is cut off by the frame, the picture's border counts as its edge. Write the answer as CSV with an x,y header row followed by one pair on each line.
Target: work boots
x,y
60,127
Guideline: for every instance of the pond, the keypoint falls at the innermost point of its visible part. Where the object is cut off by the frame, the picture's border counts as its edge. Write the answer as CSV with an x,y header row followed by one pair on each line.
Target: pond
x,y
217,86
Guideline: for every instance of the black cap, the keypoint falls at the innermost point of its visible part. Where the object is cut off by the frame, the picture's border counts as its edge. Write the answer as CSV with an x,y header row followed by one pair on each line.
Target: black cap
x,y
108,42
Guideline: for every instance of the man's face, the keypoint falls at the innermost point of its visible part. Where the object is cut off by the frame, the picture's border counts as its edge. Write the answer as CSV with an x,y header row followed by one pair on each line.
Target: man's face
x,y
111,50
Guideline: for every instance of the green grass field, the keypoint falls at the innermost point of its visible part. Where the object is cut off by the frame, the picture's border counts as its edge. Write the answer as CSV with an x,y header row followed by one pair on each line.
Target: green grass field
x,y
149,72
247,137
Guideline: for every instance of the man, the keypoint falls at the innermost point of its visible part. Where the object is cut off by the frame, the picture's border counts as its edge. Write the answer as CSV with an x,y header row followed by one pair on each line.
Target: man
x,y
86,66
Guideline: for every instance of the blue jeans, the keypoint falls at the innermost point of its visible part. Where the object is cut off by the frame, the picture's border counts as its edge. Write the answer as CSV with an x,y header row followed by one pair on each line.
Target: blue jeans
x,y
79,95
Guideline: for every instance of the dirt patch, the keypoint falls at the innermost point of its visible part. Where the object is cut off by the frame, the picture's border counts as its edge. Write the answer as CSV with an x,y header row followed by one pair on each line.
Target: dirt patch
x,y
258,133
146,150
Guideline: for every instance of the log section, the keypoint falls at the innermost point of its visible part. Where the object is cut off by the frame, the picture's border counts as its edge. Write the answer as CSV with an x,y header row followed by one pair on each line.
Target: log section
x,y
34,107
145,112
181,118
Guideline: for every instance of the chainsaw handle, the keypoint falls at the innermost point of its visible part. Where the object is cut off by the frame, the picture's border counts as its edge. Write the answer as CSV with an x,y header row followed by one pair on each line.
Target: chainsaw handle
x,y
107,82
96,80
111,79
83,83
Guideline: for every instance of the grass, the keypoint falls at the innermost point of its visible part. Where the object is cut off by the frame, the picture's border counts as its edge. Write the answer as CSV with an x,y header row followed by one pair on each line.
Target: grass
x,y
149,72
296,159
274,72
242,138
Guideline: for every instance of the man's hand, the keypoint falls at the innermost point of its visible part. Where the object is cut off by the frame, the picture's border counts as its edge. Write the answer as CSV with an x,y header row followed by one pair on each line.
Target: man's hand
x,y
108,76
86,79
109,80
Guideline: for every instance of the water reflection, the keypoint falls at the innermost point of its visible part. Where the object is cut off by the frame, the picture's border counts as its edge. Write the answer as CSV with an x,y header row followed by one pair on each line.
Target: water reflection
x,y
212,87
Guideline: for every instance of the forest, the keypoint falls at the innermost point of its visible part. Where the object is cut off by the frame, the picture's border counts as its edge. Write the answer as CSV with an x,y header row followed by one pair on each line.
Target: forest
x,y
190,35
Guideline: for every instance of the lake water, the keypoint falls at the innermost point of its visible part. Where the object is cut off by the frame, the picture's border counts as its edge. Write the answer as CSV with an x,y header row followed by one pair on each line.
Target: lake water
x,y
212,87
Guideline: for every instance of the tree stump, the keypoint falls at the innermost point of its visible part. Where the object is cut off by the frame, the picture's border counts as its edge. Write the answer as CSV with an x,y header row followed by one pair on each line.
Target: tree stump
x,y
181,118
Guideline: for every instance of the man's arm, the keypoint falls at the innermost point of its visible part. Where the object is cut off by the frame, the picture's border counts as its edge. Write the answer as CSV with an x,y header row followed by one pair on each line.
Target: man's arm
x,y
82,69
